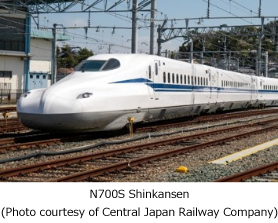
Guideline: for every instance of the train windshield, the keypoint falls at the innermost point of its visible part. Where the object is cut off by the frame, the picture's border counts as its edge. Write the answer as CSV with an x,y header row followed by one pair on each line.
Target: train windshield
x,y
98,65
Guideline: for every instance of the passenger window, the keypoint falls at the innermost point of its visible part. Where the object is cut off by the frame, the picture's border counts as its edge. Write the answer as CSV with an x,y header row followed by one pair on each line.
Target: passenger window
x,y
169,78
150,72
177,78
173,78
164,77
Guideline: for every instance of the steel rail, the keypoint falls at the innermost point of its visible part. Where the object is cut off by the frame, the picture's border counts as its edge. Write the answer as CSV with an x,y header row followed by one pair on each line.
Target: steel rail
x,y
240,177
134,162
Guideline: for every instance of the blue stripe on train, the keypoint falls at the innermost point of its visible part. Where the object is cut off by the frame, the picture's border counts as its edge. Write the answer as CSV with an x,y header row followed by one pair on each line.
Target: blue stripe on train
x,y
158,87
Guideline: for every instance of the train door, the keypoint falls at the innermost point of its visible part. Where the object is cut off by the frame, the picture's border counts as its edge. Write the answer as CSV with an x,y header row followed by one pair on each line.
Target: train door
x,y
210,90
254,88
153,73
217,84
213,85
261,88
193,84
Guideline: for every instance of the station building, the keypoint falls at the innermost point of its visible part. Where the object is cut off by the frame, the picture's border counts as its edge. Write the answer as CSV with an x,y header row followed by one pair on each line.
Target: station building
x,y
25,56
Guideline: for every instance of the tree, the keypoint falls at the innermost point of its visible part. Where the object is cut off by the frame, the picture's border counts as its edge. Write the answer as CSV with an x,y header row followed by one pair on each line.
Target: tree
x,y
69,57
83,54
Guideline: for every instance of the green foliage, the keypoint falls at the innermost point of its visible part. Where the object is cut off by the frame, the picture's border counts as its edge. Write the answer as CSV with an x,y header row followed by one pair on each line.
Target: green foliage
x,y
69,57
242,40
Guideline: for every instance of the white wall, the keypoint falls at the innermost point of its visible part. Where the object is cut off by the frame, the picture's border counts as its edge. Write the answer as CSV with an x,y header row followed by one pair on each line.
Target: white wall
x,y
40,53
41,56
16,65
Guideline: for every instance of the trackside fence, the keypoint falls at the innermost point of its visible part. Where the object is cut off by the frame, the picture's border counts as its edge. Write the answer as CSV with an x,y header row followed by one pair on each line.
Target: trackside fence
x,y
10,96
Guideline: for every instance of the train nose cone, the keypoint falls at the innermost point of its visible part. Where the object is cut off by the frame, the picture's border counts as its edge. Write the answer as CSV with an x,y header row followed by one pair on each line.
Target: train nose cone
x,y
54,113
61,113
55,104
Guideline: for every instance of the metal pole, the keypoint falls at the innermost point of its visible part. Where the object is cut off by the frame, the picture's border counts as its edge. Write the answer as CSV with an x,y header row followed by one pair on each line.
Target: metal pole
x,y
229,60
225,49
276,36
260,8
203,49
191,51
266,63
54,55
159,40
152,27
260,47
208,10
134,27
27,51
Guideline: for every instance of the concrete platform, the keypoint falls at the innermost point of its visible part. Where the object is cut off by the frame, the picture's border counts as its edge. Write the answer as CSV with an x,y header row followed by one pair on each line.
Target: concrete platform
x,y
246,152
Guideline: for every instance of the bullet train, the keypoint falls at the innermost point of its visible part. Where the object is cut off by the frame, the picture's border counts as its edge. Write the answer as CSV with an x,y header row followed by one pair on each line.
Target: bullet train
x,y
106,91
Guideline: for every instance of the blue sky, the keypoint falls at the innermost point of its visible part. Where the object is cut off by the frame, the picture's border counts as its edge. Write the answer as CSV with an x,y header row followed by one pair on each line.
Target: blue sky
x,y
103,40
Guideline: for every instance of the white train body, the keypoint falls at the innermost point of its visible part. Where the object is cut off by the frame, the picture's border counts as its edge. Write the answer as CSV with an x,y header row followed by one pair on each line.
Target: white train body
x,y
107,89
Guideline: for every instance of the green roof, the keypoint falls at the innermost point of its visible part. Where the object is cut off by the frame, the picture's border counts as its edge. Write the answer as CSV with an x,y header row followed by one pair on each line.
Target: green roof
x,y
45,34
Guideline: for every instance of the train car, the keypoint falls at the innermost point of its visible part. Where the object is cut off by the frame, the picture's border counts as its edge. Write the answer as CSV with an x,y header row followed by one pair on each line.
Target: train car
x,y
106,90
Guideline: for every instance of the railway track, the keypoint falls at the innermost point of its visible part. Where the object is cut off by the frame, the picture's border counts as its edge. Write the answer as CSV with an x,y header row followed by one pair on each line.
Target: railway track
x,y
39,140
8,109
265,173
90,166
12,125
204,119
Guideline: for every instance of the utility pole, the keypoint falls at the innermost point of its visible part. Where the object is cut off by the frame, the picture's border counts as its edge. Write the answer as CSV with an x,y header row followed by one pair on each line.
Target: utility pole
x,y
276,29
261,36
54,55
208,10
152,27
225,50
260,8
134,27
266,63
203,49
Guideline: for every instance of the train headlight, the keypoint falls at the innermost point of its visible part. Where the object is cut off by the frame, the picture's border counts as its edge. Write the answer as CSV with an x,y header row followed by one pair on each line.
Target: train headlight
x,y
26,94
84,95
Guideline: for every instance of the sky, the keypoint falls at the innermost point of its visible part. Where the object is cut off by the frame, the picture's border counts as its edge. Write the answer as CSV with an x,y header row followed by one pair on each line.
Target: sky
x,y
105,40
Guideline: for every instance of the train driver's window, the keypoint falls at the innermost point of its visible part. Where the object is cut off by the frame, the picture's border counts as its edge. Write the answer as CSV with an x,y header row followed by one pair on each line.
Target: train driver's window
x,y
111,64
90,65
